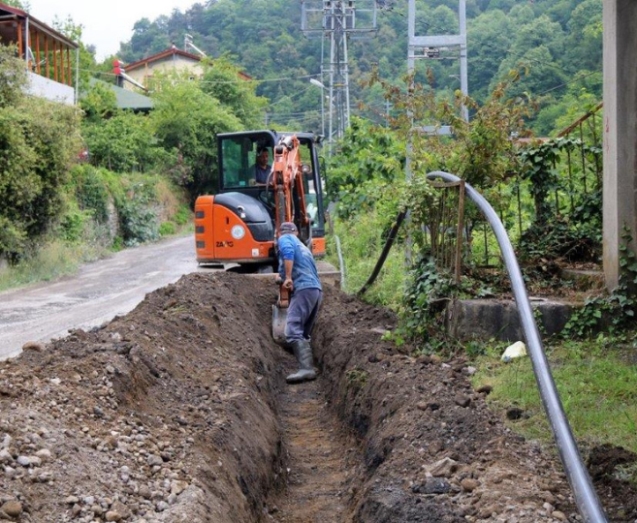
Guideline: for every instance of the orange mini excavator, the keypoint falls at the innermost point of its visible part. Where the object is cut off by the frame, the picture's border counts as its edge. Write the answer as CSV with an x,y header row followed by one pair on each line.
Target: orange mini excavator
x,y
238,226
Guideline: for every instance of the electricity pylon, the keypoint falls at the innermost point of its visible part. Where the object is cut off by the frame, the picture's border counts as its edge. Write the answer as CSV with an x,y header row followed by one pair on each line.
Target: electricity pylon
x,y
335,21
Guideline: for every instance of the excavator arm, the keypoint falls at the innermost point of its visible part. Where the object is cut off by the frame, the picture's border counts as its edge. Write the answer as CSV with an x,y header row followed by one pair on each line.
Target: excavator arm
x,y
286,181
287,184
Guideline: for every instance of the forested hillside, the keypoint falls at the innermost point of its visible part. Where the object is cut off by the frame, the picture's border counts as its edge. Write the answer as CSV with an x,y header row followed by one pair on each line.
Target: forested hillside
x,y
556,44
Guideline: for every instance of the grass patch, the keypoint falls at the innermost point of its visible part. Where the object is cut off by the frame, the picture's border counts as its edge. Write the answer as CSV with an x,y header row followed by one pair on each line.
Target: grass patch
x,y
596,383
362,243
53,260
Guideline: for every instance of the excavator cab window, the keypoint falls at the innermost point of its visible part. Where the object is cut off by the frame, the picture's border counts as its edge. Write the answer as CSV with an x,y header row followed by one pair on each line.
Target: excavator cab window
x,y
239,159
234,163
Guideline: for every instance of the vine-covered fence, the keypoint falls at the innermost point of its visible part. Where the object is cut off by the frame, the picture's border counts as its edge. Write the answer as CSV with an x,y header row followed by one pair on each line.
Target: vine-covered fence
x,y
551,207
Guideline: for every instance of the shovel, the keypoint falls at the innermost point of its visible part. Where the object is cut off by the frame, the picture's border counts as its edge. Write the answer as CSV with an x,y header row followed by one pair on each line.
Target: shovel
x,y
280,316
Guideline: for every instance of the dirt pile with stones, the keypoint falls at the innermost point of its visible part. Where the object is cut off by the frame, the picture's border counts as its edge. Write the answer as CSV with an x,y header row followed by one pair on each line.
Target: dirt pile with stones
x,y
179,411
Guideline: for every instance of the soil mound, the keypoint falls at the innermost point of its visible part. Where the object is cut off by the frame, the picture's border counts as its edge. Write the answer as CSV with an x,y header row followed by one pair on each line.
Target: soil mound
x,y
179,412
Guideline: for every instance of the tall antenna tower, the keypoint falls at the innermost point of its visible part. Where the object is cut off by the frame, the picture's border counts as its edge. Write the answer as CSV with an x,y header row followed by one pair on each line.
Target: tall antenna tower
x,y
336,21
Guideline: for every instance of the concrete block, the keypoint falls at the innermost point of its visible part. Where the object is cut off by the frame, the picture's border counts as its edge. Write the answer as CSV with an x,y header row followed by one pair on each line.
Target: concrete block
x,y
499,319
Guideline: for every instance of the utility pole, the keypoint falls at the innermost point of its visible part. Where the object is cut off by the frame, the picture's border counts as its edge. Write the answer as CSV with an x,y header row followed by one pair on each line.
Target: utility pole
x,y
432,47
337,21
436,47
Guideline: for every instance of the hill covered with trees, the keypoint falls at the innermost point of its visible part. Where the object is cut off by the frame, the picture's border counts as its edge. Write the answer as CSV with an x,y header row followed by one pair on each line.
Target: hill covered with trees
x,y
556,45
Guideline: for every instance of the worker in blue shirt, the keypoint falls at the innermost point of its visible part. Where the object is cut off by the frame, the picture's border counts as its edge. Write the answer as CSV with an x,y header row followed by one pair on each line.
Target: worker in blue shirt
x,y
299,275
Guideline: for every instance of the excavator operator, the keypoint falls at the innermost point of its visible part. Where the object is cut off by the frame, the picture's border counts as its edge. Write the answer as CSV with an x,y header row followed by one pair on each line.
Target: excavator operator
x,y
297,270
261,167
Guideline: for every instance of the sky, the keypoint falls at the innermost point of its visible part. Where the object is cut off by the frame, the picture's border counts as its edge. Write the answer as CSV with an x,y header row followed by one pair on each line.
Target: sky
x,y
105,24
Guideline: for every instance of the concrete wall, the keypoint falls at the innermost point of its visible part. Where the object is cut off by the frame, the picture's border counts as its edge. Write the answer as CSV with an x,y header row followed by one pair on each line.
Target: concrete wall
x,y
620,131
49,89
500,320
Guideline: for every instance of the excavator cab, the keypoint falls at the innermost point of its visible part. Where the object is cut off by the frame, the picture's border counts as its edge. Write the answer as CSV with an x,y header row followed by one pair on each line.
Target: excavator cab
x,y
238,224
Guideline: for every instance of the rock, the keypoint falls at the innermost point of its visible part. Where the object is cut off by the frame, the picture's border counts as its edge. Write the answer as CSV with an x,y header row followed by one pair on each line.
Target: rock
x,y
155,460
177,487
469,484
35,461
6,441
436,486
443,468
44,455
12,508
33,346
485,389
463,401
5,456
121,509
515,413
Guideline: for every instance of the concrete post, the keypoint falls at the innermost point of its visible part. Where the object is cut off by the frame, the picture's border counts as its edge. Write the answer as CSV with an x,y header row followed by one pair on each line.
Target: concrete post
x,y
620,131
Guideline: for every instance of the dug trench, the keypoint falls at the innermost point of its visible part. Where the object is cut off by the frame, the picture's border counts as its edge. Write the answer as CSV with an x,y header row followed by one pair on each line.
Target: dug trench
x,y
179,412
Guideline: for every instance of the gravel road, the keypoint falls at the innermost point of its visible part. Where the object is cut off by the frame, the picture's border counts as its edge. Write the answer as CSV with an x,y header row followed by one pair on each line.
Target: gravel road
x,y
99,292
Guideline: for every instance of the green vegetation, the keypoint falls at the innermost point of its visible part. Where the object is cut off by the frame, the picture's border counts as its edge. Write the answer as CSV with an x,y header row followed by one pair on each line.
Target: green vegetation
x,y
37,143
559,220
558,43
138,174
596,382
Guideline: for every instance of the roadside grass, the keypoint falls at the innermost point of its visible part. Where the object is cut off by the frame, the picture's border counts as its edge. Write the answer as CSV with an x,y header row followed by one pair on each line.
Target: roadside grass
x,y
596,381
57,258
362,242
53,260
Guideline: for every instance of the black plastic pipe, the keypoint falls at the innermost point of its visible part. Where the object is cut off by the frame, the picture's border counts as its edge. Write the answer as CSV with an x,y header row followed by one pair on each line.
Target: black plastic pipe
x,y
581,485
383,256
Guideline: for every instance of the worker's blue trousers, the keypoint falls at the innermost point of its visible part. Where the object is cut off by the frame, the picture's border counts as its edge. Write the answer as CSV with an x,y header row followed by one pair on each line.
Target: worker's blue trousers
x,y
302,312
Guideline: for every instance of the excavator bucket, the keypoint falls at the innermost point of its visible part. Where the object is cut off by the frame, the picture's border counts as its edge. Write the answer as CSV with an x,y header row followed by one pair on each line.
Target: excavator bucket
x,y
279,318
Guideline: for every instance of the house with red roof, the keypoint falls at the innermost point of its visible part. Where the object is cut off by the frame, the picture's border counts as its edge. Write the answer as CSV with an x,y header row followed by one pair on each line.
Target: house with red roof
x,y
140,73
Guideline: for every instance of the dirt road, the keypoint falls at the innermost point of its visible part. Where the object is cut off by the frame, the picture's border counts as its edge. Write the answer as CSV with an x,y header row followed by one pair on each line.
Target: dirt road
x,y
98,293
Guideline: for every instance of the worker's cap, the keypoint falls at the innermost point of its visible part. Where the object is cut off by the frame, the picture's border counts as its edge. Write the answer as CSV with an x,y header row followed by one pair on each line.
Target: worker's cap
x,y
287,227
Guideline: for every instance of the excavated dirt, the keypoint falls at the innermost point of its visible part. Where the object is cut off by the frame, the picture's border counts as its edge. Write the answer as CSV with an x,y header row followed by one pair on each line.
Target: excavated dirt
x,y
179,412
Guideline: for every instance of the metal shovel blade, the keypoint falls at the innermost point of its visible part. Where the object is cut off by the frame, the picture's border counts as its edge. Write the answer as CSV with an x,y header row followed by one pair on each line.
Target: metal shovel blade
x,y
279,319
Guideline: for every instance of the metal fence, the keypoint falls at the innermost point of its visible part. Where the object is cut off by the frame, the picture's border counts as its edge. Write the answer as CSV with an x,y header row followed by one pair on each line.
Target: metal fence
x,y
561,182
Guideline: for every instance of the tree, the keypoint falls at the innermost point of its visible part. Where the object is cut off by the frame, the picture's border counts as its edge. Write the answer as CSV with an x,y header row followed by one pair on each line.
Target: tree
x,y
74,32
186,120
38,142
222,80
488,44
584,41
122,141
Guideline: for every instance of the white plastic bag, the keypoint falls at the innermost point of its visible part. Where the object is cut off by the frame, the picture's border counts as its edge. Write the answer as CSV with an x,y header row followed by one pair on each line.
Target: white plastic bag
x,y
517,350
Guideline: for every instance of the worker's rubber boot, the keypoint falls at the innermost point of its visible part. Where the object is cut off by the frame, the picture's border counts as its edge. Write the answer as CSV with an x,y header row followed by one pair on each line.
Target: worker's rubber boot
x,y
303,352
